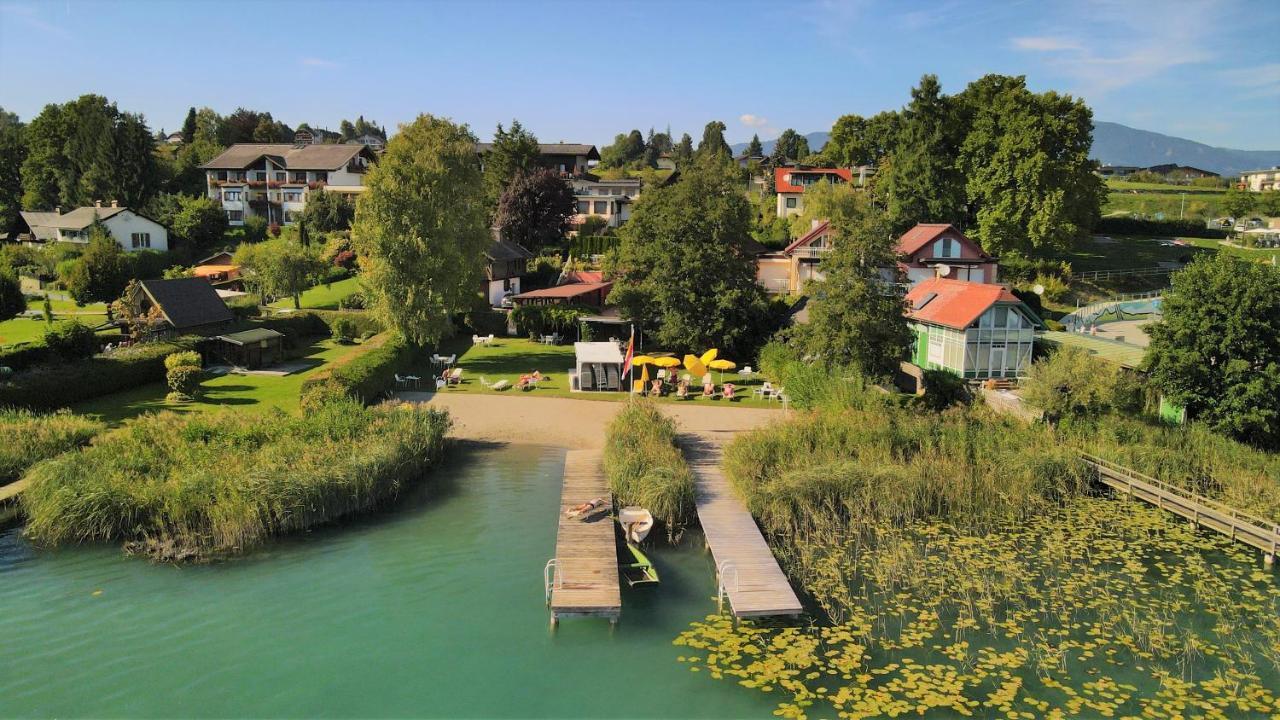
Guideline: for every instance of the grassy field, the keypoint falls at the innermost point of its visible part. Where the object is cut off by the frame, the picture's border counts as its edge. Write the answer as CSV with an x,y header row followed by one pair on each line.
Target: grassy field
x,y
1126,185
509,358
323,297
249,392
21,329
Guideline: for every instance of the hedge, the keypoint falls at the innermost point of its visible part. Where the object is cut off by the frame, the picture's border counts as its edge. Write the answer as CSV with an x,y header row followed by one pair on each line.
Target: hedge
x,y
21,357
366,323
367,374
56,385
1137,226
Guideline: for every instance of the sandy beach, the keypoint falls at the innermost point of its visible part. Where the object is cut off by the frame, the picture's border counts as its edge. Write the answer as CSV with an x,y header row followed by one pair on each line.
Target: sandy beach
x,y
574,424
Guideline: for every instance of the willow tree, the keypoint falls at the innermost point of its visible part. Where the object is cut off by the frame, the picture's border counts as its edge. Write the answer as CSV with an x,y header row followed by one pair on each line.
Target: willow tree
x,y
421,228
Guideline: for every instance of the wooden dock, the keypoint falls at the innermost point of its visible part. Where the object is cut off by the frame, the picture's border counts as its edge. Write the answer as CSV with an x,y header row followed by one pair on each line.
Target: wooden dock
x,y
582,579
748,574
1202,511
13,490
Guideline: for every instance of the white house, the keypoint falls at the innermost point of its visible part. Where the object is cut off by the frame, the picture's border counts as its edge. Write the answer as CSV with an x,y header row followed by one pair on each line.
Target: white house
x,y
607,199
131,230
1260,180
274,180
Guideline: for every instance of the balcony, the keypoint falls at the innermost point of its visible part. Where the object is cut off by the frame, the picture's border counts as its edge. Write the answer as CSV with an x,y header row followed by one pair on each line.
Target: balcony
x,y
812,253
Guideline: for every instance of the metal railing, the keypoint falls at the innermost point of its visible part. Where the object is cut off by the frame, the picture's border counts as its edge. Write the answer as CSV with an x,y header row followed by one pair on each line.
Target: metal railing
x,y
551,578
1126,272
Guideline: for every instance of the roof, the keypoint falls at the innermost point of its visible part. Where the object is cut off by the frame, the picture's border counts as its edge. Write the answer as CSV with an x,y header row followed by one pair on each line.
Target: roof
x,y
217,256
506,250
41,224
554,149
203,270
818,231
571,290
780,174
924,233
578,277
248,337
187,302
292,157
1122,354
597,352
955,303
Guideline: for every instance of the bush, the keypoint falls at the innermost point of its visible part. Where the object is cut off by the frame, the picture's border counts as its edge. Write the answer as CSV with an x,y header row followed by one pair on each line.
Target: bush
x,y
646,468
21,357
31,437
184,358
12,301
183,375
297,328
71,339
55,385
254,229
1072,383
1054,287
367,375
181,487
1137,226
1015,267
365,322
943,390
344,329
535,320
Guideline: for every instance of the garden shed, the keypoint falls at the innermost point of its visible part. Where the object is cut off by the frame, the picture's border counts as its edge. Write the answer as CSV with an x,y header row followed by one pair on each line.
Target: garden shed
x,y
251,349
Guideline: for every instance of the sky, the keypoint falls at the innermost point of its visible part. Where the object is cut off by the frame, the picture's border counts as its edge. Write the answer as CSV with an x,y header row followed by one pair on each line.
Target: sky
x,y
1206,70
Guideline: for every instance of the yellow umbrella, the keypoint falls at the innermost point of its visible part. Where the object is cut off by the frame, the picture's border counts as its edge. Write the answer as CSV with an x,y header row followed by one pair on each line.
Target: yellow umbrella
x,y
708,356
666,362
642,360
694,365
722,365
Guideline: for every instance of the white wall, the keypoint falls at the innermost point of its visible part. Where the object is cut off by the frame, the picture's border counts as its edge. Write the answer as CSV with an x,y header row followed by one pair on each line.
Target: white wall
x,y
783,210
122,225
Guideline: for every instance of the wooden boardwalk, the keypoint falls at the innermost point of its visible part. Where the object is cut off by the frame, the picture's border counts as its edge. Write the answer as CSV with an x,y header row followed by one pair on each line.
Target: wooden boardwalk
x,y
582,580
1204,512
12,490
748,573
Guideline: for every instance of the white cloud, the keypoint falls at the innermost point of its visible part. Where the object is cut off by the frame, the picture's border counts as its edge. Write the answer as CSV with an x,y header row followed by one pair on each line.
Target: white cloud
x,y
754,121
318,62
1044,43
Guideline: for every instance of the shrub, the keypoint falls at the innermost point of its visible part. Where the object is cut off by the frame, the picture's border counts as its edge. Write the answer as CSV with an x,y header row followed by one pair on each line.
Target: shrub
x,y
21,357
942,390
56,385
184,358
254,229
183,375
365,322
12,301
368,374
179,487
1071,383
1137,226
71,339
1055,289
534,320
344,329
646,468
31,437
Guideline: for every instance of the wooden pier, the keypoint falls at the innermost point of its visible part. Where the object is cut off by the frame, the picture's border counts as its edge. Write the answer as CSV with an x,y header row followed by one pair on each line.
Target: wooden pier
x,y
1202,511
582,579
13,490
747,573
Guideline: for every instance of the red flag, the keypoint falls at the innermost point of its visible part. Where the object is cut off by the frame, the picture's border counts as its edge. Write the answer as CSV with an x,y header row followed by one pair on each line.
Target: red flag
x,y
631,352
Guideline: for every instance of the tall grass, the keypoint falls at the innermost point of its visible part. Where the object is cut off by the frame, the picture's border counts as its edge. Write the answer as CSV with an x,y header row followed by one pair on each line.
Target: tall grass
x,y
31,437
645,467
189,487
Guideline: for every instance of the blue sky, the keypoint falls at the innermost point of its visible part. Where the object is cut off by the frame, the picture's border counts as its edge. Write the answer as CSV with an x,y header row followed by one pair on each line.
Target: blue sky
x,y
582,72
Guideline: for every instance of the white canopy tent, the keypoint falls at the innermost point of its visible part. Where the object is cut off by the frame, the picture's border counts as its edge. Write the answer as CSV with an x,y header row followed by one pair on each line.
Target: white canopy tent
x,y
597,366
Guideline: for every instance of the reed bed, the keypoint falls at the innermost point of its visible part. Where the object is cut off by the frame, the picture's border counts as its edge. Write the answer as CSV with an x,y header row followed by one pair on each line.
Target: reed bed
x,y
192,487
646,468
30,437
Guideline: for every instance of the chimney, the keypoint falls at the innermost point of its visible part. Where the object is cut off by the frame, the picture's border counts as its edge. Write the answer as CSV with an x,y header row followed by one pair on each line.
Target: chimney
x,y
97,203
115,203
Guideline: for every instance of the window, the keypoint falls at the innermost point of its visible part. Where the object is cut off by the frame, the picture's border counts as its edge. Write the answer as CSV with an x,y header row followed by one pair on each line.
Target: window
x,y
936,344
946,248
791,202
235,215
322,177
260,175
141,240
584,207
222,175
298,177
231,195
280,176
293,197
601,207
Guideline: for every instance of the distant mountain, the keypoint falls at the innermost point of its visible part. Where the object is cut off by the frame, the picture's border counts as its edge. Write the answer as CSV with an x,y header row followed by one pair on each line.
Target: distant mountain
x,y
1116,144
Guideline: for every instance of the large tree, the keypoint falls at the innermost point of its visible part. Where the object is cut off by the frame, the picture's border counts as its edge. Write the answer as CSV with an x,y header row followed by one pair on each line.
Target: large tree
x,y
189,126
101,273
88,150
627,149
536,208
683,269
13,151
1216,350
682,153
922,183
421,228
713,148
856,310
327,212
1025,162
199,221
512,151
754,148
280,267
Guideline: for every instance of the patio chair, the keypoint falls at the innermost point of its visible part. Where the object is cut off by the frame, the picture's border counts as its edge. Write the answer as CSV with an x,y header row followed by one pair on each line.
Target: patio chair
x,y
440,383
501,385
746,371
682,390
455,377
765,391
489,339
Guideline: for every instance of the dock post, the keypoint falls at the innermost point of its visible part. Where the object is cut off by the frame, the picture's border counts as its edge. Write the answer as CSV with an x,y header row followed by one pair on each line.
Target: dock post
x,y
1268,559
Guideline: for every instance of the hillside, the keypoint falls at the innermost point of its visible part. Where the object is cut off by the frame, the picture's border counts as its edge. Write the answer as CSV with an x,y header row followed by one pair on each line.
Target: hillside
x,y
1116,144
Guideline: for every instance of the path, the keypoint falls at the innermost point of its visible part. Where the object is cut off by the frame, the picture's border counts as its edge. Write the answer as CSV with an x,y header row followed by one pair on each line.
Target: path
x,y
585,575
748,572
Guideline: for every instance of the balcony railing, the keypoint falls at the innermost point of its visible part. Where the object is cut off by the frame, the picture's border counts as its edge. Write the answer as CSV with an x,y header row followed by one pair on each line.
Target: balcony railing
x,y
813,253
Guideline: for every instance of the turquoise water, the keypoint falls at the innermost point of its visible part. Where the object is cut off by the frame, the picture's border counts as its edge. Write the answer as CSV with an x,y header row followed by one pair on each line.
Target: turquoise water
x,y
432,608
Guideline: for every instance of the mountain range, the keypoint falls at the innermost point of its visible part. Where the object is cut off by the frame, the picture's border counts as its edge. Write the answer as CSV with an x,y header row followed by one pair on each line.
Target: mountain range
x,y
1116,144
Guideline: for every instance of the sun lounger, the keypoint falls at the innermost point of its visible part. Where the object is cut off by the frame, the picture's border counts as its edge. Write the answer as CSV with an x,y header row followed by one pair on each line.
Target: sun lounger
x,y
500,385
614,382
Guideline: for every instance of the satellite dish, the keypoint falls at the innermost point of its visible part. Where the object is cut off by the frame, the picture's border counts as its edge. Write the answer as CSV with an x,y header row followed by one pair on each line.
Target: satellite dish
x,y
1038,289
943,269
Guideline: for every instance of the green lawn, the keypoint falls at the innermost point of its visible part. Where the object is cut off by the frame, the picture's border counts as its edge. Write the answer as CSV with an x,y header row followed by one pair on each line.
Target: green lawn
x,y
248,392
323,297
21,329
1124,252
1129,356
509,358
1122,185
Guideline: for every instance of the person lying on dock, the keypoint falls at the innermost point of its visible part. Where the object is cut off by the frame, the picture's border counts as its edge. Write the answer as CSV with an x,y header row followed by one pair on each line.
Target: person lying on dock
x,y
586,508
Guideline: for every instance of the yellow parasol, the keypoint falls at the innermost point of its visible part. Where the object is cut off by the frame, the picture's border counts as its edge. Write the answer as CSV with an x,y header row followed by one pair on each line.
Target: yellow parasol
x,y
694,365
642,360
722,365
644,375
666,362
708,356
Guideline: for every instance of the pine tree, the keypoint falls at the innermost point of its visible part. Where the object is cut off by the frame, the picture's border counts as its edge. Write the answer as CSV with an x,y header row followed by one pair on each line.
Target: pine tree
x,y
754,148
189,127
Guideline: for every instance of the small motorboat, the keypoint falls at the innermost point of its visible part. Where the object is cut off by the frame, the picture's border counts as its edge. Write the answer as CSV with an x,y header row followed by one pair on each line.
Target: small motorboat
x,y
636,523
635,566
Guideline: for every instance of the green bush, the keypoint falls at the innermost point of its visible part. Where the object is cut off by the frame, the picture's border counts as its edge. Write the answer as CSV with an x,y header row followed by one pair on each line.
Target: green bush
x,y
646,468
56,385
535,320
206,484
71,339
942,390
1137,226
369,373
182,359
365,321
183,375
21,357
344,329
30,437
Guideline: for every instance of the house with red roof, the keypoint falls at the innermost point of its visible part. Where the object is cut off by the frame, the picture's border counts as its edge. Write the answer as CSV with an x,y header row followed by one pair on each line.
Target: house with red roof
x,y
790,183
974,330
940,250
